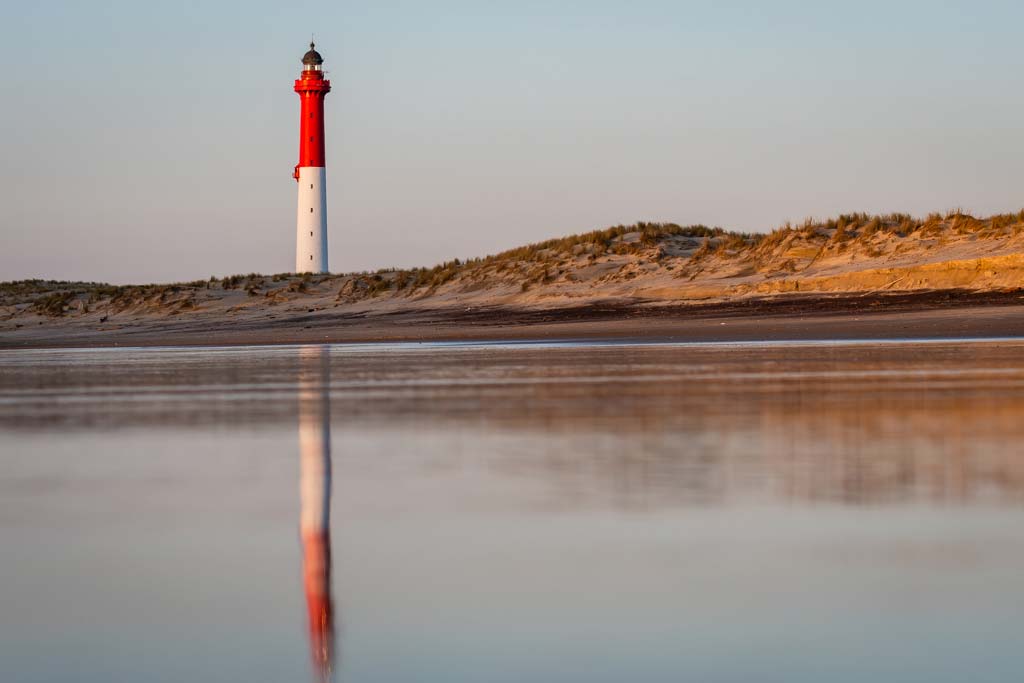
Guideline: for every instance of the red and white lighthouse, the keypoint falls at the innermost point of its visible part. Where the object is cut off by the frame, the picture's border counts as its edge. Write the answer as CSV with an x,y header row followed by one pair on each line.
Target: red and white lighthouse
x,y
311,171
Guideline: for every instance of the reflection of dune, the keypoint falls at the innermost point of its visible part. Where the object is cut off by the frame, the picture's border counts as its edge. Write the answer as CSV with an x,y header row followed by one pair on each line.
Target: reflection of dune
x,y
790,444
621,425
660,426
315,495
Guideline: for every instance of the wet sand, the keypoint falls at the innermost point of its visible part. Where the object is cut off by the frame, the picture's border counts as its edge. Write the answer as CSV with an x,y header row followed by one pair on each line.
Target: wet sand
x,y
926,315
581,513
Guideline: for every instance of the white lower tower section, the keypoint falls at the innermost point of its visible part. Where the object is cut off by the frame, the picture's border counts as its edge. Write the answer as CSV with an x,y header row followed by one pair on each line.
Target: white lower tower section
x,y
311,231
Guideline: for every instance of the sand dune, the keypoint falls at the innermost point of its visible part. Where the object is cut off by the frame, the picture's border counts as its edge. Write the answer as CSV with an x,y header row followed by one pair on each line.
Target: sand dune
x,y
645,265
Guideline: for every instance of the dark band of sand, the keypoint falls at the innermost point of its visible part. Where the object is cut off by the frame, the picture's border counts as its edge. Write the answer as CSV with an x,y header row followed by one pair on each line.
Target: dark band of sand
x,y
928,315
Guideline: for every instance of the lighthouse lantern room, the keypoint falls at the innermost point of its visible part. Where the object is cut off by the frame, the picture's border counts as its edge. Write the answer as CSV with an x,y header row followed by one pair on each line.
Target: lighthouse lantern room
x,y
310,172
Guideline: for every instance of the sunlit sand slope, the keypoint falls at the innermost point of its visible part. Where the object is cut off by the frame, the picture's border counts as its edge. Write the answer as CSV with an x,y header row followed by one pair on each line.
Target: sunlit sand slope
x,y
647,263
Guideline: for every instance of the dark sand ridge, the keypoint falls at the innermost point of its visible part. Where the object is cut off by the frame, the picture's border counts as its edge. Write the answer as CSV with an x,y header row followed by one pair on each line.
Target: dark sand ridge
x,y
927,315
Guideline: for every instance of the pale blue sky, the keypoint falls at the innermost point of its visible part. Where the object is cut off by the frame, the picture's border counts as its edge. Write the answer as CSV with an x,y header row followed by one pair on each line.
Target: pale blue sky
x,y
142,143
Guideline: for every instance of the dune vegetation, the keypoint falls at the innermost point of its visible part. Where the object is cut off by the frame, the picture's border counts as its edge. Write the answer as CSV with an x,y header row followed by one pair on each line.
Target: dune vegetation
x,y
644,261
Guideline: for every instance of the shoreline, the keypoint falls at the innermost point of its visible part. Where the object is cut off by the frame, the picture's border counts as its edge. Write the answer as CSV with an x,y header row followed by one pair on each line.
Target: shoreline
x,y
941,314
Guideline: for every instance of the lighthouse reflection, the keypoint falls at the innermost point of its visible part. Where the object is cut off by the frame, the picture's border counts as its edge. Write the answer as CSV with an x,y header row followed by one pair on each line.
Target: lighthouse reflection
x,y
315,505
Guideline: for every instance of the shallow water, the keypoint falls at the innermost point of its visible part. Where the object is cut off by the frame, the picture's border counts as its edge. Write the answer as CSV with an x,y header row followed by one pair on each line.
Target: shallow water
x,y
562,512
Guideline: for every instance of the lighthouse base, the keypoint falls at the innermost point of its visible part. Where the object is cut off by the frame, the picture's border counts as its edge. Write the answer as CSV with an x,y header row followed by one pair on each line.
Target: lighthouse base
x,y
311,226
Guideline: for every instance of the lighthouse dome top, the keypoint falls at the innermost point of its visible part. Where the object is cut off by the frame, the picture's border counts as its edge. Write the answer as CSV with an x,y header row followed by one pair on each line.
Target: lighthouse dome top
x,y
312,58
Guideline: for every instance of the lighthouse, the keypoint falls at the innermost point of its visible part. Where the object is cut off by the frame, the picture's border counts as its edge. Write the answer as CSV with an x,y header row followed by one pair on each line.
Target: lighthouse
x,y
311,171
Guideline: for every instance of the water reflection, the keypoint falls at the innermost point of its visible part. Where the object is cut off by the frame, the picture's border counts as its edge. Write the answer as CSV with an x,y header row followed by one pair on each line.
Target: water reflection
x,y
507,514
315,500
625,427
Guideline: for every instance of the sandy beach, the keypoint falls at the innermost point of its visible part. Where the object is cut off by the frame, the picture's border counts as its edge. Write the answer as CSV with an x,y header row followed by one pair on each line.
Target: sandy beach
x,y
855,277
927,315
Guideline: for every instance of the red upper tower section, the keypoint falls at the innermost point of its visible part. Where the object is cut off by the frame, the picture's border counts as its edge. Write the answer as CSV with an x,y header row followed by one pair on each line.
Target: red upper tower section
x,y
312,87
